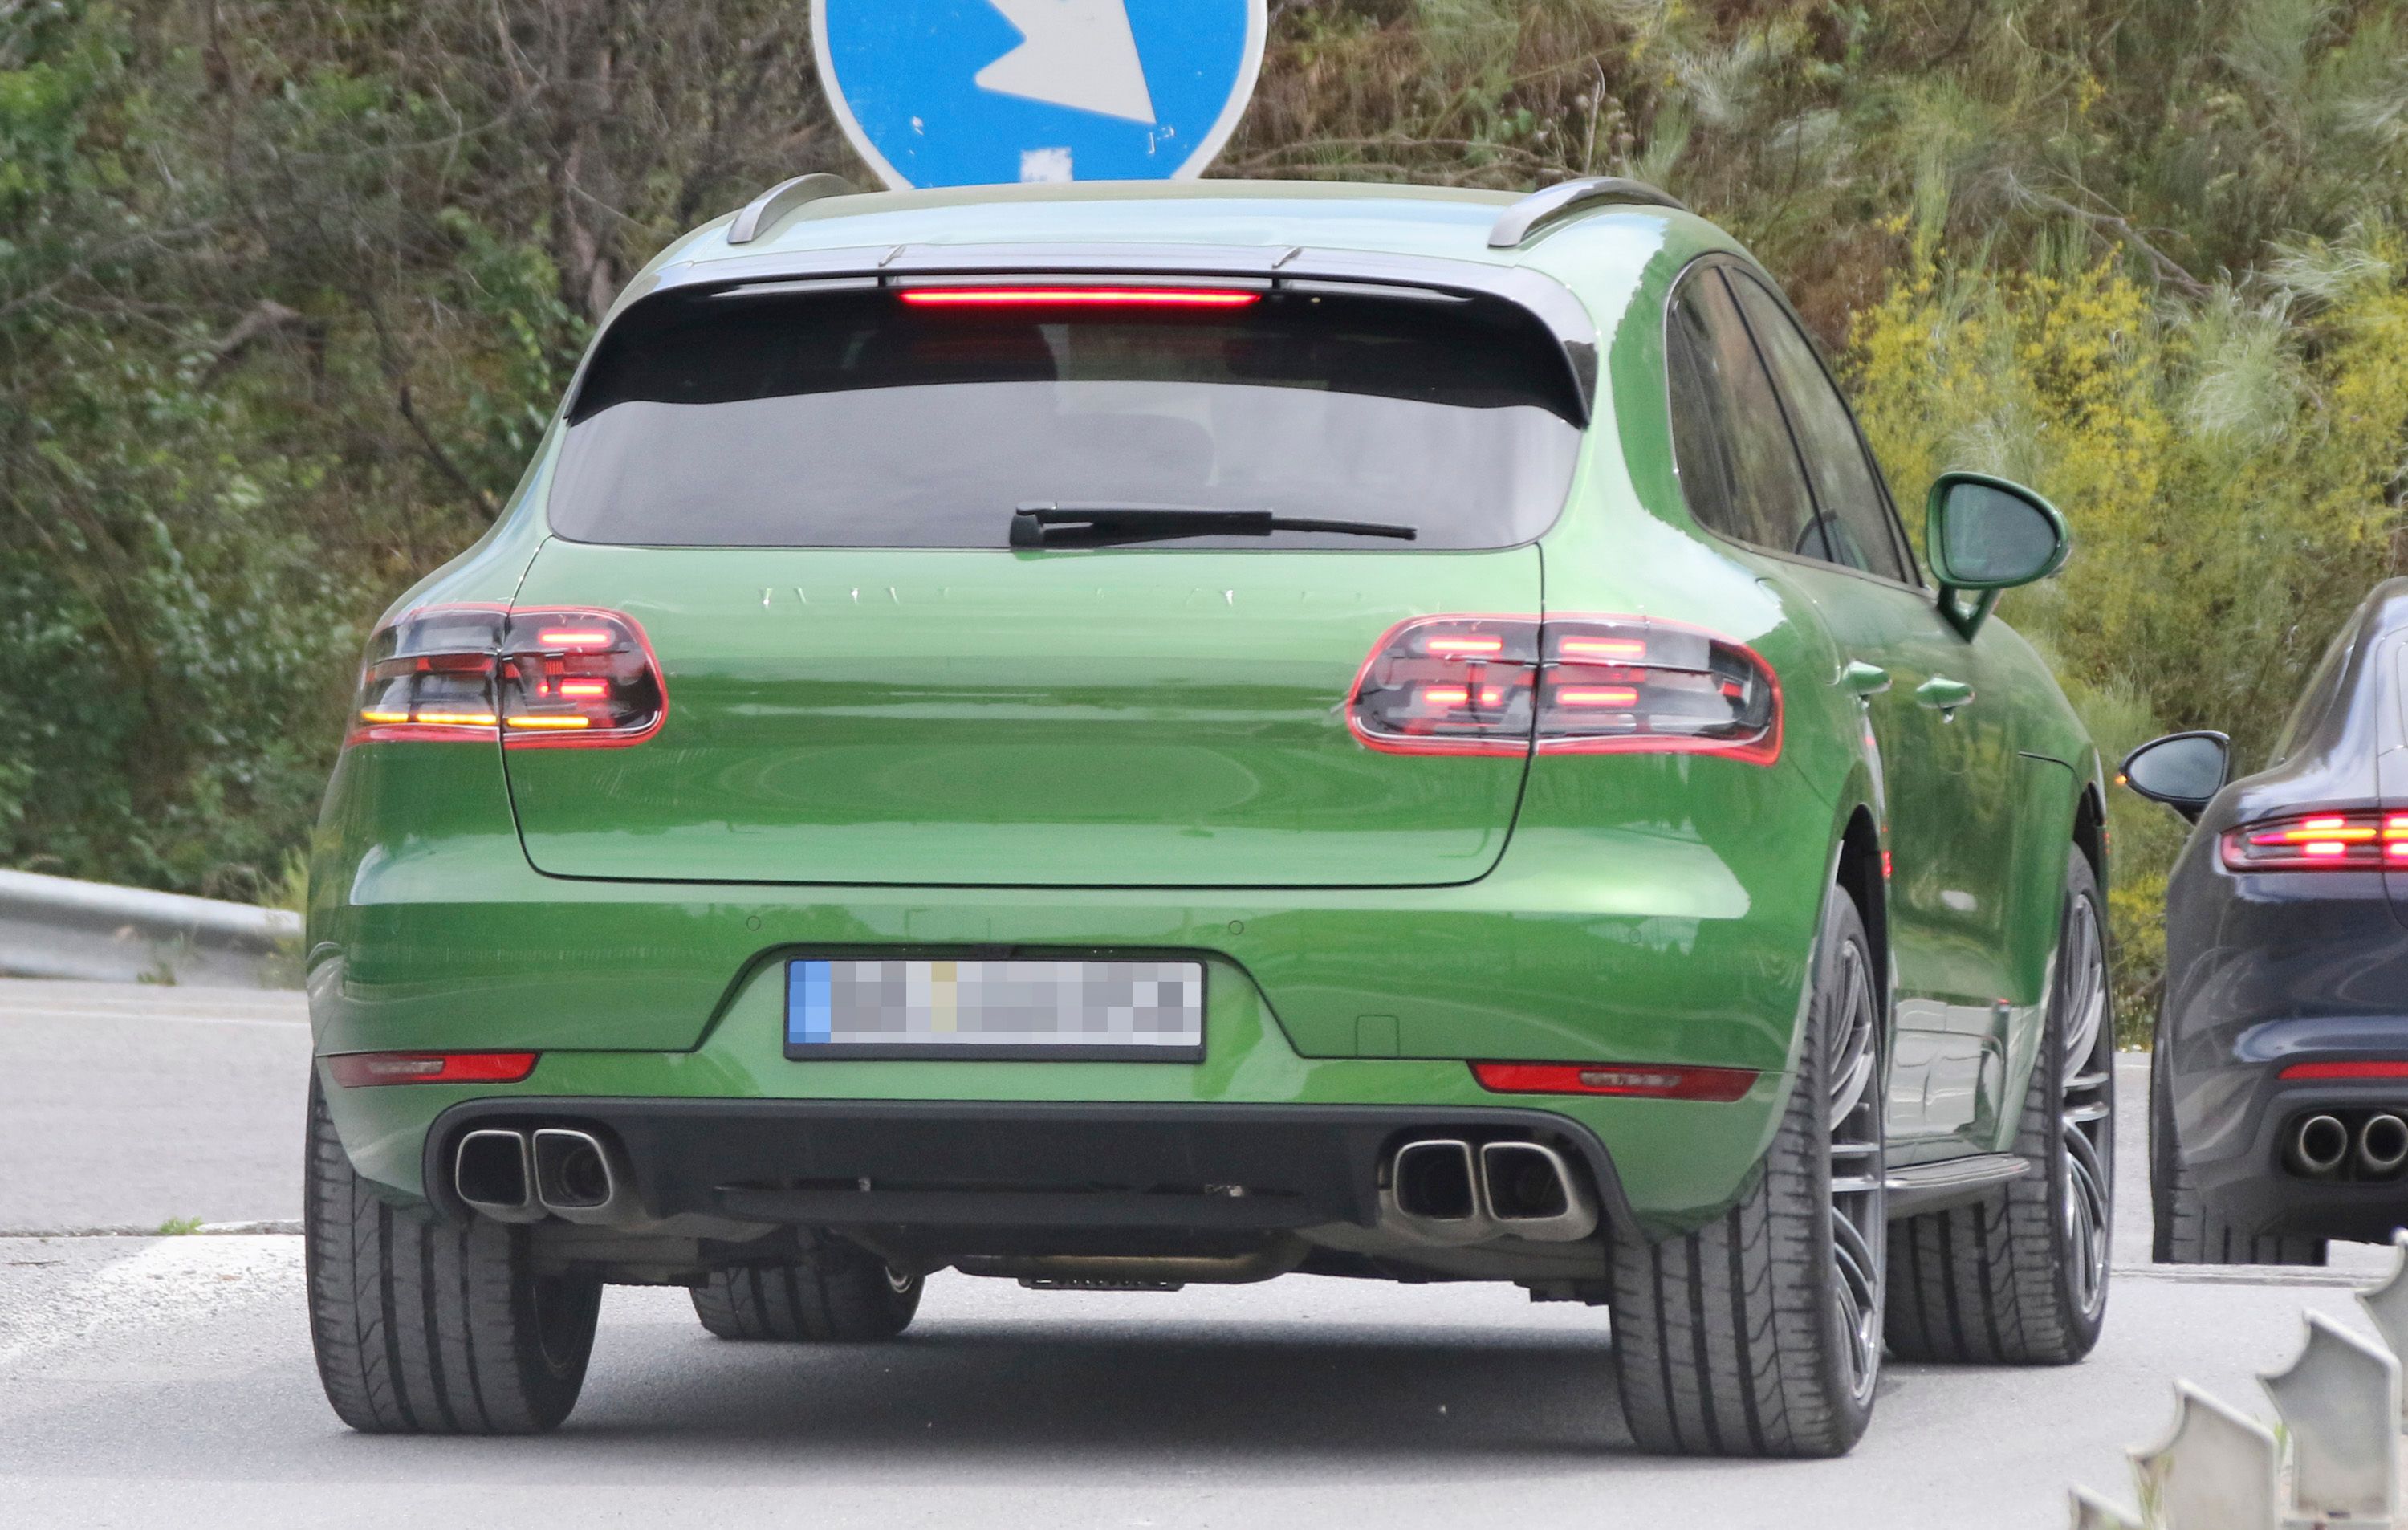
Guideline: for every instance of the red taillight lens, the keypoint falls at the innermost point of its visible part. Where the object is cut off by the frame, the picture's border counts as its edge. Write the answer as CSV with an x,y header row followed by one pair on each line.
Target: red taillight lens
x,y
1617,684
363,1069
1449,685
579,678
1078,298
1504,685
545,677
1718,1085
2361,841
2347,1070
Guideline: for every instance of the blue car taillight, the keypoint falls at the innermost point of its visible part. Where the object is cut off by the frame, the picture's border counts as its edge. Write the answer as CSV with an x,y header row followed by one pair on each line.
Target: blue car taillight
x,y
2363,841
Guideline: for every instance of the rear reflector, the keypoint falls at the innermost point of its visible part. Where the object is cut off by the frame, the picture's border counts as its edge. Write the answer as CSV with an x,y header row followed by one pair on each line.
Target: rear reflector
x,y
1081,297
362,1070
545,678
1720,1085
2360,841
1566,685
2347,1070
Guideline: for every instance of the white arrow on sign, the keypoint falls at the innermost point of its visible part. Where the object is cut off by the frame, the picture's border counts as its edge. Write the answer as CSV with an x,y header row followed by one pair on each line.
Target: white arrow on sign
x,y
1075,53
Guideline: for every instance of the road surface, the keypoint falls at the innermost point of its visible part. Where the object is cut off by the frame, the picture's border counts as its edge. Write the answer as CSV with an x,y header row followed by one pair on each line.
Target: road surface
x,y
166,1380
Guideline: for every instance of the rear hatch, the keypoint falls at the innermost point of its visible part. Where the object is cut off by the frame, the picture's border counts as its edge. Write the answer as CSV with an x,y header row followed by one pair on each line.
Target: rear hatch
x,y
876,671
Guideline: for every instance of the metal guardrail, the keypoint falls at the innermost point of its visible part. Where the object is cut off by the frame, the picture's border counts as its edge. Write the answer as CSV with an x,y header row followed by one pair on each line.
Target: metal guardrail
x,y
56,927
2340,1404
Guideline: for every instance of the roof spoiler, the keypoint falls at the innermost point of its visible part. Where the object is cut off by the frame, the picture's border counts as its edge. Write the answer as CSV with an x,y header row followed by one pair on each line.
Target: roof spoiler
x,y
1543,209
781,199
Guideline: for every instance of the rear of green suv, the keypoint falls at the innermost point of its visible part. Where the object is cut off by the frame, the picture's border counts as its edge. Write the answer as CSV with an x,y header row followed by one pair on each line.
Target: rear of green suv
x,y
1104,737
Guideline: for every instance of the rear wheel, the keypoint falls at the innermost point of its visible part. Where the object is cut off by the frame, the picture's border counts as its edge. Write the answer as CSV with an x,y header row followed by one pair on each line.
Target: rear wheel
x,y
834,1294
2185,1231
1760,1334
2019,1277
432,1328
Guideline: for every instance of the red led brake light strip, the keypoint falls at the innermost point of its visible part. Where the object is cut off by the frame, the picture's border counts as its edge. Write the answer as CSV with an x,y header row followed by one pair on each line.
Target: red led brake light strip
x,y
1089,297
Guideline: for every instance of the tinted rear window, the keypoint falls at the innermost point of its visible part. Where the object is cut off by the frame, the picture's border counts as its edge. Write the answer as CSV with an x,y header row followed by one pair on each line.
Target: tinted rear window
x,y
852,419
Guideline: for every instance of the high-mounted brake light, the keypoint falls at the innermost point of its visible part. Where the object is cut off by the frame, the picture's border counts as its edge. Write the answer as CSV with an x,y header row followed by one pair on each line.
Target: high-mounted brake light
x,y
366,1069
1717,1085
1569,685
2318,842
546,677
1078,298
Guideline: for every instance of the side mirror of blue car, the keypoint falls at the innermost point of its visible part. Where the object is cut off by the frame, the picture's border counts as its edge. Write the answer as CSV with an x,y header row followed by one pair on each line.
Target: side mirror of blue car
x,y
2182,770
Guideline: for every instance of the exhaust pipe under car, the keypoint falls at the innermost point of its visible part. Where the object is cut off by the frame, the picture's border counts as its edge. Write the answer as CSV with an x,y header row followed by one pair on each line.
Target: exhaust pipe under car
x,y
2318,1146
1533,1193
2382,1145
576,1179
1444,1190
495,1174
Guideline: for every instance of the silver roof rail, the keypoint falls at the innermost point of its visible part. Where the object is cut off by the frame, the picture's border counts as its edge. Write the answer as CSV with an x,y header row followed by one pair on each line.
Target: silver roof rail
x,y
1556,203
781,199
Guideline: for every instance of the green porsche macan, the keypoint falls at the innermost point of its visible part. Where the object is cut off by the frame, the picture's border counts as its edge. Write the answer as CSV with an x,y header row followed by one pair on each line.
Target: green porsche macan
x,y
1122,737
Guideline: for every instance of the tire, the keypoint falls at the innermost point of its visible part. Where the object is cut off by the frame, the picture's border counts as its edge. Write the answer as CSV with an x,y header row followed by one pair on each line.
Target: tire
x,y
2182,1230
2019,1277
835,1293
430,1328
1759,1334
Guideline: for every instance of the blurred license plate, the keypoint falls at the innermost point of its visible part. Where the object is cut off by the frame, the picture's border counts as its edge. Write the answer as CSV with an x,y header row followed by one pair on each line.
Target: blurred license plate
x,y
1066,1011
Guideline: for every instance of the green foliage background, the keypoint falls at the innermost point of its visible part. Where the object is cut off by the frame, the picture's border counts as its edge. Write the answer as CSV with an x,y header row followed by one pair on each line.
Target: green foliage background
x,y
287,288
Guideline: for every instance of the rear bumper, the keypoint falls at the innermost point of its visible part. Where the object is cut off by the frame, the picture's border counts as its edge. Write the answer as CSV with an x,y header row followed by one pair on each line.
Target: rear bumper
x,y
963,1168
1636,944
2234,1121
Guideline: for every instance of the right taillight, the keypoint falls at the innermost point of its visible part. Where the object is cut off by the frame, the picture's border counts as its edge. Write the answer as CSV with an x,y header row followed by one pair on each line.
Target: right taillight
x,y
547,677
1589,684
2318,842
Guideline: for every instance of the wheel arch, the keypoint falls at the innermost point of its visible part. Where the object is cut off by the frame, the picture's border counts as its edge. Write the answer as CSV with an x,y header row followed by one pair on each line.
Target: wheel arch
x,y
1858,873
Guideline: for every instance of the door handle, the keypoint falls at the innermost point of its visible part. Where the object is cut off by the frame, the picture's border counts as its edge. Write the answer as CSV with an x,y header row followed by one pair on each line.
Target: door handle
x,y
1863,678
1943,693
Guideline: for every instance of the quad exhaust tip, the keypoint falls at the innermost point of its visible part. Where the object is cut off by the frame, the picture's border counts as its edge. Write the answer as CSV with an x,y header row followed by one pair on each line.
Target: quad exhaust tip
x,y
1444,1190
2382,1145
2319,1146
495,1175
515,1176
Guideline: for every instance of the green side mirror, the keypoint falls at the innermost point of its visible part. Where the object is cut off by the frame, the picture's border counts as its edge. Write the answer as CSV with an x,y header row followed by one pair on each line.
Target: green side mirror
x,y
1986,535
2182,770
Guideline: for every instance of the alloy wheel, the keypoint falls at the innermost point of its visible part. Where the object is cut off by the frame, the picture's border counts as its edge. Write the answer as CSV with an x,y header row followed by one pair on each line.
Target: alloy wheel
x,y
1859,1193
2087,1108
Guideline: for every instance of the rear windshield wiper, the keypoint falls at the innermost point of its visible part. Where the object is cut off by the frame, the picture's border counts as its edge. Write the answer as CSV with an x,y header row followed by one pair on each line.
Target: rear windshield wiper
x,y
1094,525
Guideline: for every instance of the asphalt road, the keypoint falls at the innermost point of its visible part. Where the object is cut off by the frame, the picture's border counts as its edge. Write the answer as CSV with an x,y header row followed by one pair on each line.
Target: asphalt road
x,y
126,1105
166,1380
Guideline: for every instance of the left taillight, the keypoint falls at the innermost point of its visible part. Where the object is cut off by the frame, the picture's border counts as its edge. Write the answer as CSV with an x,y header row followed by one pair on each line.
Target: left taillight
x,y
546,677
1565,685
2318,842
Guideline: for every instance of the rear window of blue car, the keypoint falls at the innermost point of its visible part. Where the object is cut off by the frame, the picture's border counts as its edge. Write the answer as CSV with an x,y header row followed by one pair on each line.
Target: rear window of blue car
x,y
859,419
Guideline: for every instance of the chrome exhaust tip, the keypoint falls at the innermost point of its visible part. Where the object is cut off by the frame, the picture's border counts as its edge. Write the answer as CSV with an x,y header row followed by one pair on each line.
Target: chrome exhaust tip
x,y
2318,1146
1433,1191
573,1177
2382,1145
1532,1192
494,1173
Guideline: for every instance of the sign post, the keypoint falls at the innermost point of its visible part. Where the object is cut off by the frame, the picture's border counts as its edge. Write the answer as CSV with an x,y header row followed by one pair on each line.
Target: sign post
x,y
969,93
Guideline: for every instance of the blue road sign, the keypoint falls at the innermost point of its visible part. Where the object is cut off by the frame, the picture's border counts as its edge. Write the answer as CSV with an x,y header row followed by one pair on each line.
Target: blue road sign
x,y
968,93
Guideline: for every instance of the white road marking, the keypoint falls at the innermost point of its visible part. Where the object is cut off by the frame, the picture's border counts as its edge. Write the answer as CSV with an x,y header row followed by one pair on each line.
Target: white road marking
x,y
98,1012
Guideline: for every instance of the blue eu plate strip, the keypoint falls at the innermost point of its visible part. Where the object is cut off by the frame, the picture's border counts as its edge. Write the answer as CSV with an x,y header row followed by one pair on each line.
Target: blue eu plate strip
x,y
807,1003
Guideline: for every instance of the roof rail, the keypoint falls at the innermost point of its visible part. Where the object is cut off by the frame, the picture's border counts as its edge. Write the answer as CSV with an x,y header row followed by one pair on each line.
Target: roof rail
x,y
781,199
1556,203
